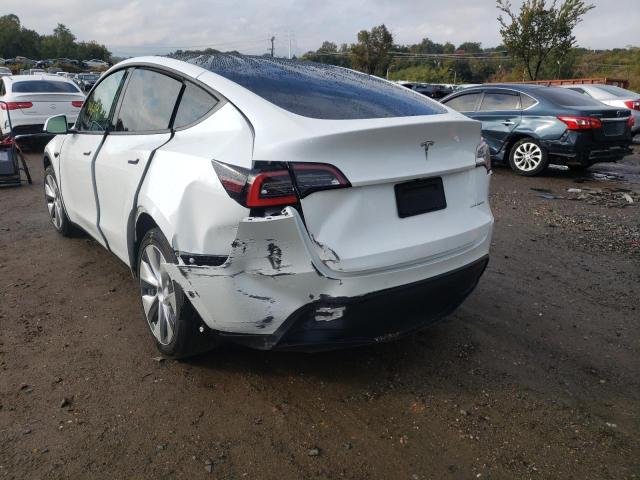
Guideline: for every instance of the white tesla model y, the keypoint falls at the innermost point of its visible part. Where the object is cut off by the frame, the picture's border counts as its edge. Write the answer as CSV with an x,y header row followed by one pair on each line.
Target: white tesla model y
x,y
274,203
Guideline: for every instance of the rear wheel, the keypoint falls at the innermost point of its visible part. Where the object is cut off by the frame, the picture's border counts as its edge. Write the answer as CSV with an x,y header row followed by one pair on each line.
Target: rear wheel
x,y
57,215
172,320
528,158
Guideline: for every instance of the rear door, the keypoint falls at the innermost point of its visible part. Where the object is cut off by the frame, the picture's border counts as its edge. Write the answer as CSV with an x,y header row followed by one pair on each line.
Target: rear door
x,y
143,124
500,113
79,151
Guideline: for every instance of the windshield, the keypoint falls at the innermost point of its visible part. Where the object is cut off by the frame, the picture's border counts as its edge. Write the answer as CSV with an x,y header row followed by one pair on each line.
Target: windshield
x,y
317,90
44,86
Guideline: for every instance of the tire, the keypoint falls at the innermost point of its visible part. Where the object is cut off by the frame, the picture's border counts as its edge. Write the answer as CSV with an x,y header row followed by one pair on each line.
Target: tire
x,y
528,158
172,320
55,207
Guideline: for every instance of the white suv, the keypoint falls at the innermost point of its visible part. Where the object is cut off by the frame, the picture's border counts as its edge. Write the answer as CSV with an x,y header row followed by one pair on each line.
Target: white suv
x,y
275,203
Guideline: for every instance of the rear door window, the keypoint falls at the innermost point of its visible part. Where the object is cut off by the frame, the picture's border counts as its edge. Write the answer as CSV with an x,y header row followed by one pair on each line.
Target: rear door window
x,y
97,108
464,103
195,104
526,101
499,102
148,102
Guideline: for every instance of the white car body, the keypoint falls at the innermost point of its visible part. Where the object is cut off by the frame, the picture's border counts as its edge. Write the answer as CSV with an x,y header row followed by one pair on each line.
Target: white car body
x,y
252,273
30,109
612,96
5,72
94,63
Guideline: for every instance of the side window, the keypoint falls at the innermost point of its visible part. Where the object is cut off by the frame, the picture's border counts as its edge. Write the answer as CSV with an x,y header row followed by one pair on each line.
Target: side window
x,y
194,105
499,101
97,108
464,103
526,101
148,102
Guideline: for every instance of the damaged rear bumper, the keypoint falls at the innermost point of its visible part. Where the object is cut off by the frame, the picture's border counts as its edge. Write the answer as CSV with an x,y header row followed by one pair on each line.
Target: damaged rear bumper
x,y
273,292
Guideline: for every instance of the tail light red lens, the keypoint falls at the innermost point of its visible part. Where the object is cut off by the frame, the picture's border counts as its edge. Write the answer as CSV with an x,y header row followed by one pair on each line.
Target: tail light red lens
x,y
631,122
77,103
271,184
15,105
633,104
269,189
580,123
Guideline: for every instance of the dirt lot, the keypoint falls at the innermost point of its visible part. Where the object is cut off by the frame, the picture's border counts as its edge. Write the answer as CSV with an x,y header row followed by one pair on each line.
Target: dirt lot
x,y
537,375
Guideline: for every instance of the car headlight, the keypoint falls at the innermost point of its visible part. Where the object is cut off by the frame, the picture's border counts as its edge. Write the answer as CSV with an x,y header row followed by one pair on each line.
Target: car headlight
x,y
483,156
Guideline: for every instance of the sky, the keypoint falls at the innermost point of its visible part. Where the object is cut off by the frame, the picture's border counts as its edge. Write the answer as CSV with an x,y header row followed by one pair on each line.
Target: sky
x,y
138,27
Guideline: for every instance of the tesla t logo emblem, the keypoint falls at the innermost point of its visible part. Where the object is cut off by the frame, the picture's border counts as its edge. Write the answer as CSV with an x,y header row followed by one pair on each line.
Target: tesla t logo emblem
x,y
426,145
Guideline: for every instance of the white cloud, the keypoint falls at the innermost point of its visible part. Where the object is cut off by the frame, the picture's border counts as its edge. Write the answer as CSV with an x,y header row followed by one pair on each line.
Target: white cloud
x,y
134,27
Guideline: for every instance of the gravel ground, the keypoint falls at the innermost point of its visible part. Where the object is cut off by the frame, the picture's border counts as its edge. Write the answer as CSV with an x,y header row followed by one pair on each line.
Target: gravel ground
x,y
537,375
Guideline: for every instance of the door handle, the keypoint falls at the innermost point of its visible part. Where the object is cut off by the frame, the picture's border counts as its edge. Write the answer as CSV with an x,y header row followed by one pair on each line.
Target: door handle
x,y
86,154
133,162
508,122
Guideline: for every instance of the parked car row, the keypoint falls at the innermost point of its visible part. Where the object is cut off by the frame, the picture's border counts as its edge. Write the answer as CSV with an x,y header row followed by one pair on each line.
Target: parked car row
x,y
27,62
532,126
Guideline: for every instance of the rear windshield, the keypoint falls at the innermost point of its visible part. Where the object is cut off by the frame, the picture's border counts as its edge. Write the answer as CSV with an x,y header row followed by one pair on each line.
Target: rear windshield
x,y
44,86
567,98
316,90
616,91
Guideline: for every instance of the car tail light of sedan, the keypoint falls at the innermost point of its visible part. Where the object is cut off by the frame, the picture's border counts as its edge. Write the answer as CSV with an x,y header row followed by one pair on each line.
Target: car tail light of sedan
x,y
631,122
633,104
15,105
580,123
77,103
271,184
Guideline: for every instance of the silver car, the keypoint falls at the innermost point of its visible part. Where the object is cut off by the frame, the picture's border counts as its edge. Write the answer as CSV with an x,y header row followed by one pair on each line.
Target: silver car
x,y
614,96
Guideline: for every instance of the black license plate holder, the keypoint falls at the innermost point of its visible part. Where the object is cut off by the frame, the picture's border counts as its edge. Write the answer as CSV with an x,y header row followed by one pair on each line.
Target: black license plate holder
x,y
420,196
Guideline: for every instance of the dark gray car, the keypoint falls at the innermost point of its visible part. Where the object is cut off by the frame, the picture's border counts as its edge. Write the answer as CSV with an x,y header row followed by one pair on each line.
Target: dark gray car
x,y
531,126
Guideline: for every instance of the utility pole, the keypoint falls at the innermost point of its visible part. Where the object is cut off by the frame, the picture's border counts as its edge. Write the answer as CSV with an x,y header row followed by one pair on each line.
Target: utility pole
x,y
272,40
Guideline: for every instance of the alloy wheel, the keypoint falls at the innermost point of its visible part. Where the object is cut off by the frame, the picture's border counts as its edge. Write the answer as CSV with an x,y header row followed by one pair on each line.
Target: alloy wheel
x,y
54,203
158,295
527,156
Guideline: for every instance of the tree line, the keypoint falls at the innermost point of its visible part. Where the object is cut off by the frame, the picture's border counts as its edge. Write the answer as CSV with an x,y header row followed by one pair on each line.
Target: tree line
x,y
537,43
16,40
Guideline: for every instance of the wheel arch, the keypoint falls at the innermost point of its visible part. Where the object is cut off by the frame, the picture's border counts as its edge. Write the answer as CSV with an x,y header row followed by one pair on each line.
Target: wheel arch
x,y
514,138
138,226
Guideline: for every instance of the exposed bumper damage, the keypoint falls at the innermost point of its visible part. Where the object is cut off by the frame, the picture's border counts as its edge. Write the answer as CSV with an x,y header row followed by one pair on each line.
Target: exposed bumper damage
x,y
317,308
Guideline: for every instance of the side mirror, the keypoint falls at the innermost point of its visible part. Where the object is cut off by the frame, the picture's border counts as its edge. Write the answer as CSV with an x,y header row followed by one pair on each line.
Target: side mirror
x,y
56,125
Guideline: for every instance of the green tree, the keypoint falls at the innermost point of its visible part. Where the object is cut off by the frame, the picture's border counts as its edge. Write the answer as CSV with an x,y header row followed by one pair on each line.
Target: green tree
x,y
540,32
371,53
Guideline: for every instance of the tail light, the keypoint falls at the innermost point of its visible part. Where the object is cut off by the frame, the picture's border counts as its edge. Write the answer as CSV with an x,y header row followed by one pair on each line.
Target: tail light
x,y
15,105
271,184
631,122
633,104
77,103
580,123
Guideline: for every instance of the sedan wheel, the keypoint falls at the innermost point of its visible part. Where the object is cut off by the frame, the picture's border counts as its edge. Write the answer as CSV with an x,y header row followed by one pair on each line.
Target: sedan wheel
x,y
158,295
527,157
